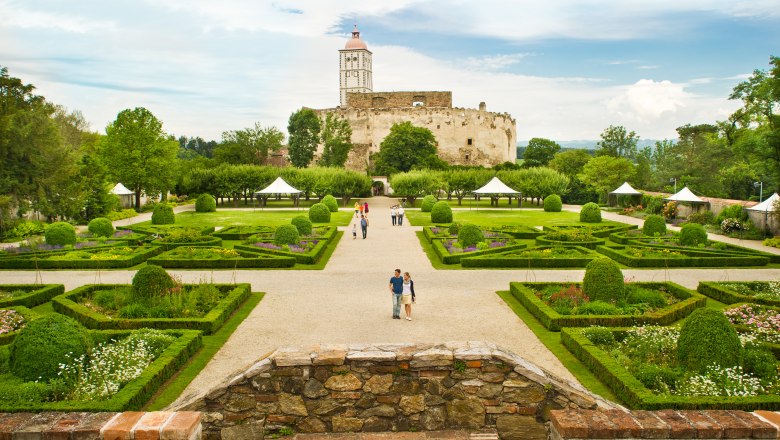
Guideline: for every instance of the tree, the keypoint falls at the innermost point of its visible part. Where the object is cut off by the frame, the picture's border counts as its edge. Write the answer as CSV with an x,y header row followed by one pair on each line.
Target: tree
x,y
539,152
304,130
570,162
139,154
605,173
414,184
249,145
336,139
405,147
616,142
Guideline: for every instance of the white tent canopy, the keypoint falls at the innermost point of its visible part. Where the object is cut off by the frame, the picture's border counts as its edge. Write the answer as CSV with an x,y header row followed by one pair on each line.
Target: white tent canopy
x,y
279,186
626,190
767,205
685,195
495,186
121,190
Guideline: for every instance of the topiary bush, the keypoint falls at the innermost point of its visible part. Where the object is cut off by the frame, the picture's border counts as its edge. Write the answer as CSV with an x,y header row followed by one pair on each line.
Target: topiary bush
x,y
60,233
286,234
470,235
302,224
707,338
427,203
441,212
163,214
654,224
590,213
151,281
693,234
101,227
553,203
44,344
331,203
319,213
454,228
205,203
603,281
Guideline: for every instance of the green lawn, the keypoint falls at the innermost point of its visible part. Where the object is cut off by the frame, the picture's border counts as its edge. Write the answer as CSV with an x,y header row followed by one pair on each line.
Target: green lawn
x,y
501,217
249,218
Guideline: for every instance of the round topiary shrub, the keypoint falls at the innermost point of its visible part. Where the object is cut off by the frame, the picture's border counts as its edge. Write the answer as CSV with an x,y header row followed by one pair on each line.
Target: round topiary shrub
x,y
553,203
427,203
707,338
205,203
654,224
286,234
590,213
454,228
44,344
603,281
441,212
470,235
101,227
319,213
163,214
693,234
60,233
151,281
302,224
331,203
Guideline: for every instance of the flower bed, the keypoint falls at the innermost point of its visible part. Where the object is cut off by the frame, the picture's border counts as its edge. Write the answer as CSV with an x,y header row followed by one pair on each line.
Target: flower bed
x,y
715,247
599,231
306,252
538,299
12,319
759,292
28,295
646,256
81,304
521,231
449,252
162,230
625,237
570,237
185,257
100,258
47,249
540,256
623,356
762,322
203,240
243,232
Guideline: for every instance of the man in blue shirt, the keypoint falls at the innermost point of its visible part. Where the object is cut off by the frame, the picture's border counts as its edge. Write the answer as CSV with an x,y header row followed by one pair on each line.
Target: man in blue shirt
x,y
396,289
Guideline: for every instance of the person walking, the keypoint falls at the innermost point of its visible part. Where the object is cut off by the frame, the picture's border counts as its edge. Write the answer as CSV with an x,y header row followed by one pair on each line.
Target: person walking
x,y
357,208
407,295
397,290
365,208
400,214
364,225
360,208
393,214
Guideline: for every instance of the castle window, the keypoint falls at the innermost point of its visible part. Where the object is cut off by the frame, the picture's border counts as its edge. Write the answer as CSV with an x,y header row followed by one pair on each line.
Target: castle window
x,y
467,156
438,126
470,141
418,101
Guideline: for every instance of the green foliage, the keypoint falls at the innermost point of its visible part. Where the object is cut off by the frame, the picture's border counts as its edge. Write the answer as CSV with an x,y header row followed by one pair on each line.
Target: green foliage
x,y
44,344
302,224
319,213
654,224
653,298
760,362
701,217
405,147
248,146
60,233
470,235
27,229
152,281
101,227
617,142
331,203
427,203
599,308
706,338
286,234
599,335
553,203
441,212
653,204
590,213
693,234
732,211
539,152
163,214
605,173
454,228
415,184
205,203
657,377
604,281
336,140
304,129
121,215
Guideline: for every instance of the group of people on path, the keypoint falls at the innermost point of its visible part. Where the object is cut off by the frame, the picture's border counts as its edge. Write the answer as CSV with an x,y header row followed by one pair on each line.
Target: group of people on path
x,y
402,290
362,210
397,214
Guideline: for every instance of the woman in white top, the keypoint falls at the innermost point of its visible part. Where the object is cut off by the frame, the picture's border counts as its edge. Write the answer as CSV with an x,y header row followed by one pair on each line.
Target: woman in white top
x,y
407,295
392,214
400,215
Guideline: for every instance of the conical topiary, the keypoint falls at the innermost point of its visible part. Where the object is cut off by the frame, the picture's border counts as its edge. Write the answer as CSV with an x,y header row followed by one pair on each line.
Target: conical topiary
x,y
706,338
603,281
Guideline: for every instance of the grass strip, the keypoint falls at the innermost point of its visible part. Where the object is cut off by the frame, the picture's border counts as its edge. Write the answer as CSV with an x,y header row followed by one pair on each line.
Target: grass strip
x,y
552,340
172,389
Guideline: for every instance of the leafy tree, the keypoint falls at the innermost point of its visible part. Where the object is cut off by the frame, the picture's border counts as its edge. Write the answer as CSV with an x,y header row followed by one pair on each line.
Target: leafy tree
x,y
539,152
605,173
617,142
249,145
414,184
570,162
139,154
405,147
336,138
304,130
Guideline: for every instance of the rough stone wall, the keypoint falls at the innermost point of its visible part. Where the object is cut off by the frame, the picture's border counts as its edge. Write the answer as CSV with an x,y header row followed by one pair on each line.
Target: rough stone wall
x,y
393,387
398,99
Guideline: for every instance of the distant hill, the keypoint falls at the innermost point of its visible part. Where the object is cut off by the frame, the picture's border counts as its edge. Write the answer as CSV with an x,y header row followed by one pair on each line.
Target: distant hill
x,y
581,145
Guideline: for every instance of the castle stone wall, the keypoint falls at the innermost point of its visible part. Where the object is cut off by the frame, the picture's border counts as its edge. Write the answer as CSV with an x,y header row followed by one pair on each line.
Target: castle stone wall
x,y
384,100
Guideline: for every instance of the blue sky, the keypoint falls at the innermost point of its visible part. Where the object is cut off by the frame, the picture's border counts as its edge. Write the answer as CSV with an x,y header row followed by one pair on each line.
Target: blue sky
x,y
563,69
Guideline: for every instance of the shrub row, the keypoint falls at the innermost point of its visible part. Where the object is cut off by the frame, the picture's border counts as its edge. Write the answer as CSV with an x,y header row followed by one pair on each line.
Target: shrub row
x,y
636,396
242,233
448,258
42,253
41,262
67,304
36,294
523,262
601,231
207,241
695,258
719,292
310,257
7,338
162,229
521,231
554,321
430,236
542,240
250,261
726,247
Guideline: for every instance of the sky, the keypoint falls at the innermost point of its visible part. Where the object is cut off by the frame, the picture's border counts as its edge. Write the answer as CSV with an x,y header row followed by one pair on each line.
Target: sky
x,y
564,69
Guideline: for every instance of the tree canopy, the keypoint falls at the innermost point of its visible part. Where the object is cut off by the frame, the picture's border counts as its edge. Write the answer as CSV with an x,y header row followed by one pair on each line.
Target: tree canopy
x,y
539,152
617,142
406,147
605,173
249,145
304,130
336,139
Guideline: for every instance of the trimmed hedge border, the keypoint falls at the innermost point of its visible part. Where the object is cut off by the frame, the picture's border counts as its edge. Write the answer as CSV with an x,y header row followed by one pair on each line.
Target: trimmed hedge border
x,y
554,321
136,393
38,294
160,229
208,242
730,248
67,305
521,262
251,261
696,258
635,395
591,244
108,244
36,262
521,231
430,236
448,258
310,257
7,338
719,292
232,232
600,231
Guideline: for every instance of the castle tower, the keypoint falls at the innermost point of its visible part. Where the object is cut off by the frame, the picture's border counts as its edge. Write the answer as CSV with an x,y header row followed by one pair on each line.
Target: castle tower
x,y
354,67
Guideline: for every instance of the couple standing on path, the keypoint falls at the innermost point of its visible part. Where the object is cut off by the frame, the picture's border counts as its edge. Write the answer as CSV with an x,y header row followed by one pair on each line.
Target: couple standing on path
x,y
363,210
402,289
397,214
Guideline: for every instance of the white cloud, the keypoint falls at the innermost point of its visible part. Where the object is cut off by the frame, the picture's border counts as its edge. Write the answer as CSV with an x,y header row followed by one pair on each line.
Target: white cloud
x,y
15,16
492,62
647,67
648,100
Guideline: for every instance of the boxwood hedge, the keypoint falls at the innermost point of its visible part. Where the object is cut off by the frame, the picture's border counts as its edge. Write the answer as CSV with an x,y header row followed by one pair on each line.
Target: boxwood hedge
x,y
447,258
204,241
310,257
542,240
695,258
41,261
250,260
507,259
242,232
36,294
720,292
7,338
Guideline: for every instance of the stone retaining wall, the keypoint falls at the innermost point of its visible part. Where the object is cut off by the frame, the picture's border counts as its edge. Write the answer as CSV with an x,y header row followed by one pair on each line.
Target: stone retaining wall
x,y
391,387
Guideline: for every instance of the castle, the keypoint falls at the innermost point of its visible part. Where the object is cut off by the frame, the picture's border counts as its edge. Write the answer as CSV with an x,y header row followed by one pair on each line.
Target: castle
x,y
464,136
